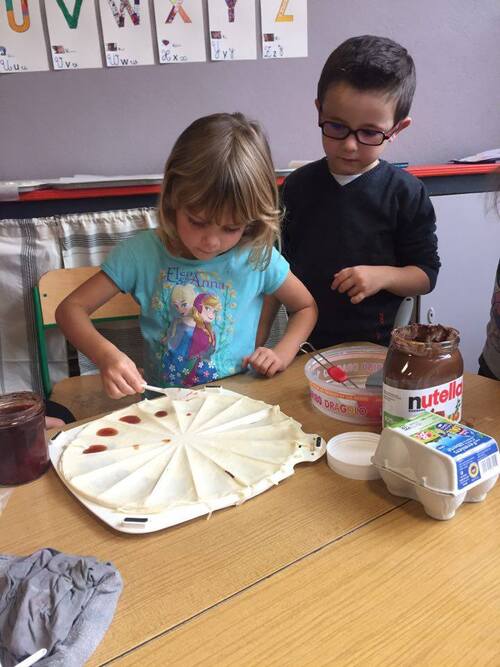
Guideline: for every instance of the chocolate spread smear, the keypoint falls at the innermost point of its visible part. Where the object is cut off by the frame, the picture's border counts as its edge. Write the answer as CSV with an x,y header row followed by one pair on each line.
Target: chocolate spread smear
x,y
427,333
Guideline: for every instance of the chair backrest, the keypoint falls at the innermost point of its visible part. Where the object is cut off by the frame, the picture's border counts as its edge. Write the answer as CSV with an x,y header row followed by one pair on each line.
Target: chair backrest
x,y
52,288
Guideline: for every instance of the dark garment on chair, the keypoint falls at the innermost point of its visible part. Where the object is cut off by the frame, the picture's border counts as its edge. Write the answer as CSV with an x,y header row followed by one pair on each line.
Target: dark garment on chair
x,y
53,409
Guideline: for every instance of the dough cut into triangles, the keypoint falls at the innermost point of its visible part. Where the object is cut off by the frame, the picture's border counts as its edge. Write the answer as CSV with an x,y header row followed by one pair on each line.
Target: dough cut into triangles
x,y
185,448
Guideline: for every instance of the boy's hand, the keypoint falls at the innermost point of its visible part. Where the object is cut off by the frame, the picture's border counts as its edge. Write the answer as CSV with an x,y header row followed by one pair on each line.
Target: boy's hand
x,y
265,361
360,281
120,375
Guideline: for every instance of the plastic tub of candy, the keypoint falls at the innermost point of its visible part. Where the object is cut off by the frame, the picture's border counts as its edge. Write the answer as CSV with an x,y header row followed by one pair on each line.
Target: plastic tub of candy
x,y
356,404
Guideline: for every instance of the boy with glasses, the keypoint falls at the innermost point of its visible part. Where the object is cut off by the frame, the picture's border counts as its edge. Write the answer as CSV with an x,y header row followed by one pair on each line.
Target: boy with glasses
x,y
359,232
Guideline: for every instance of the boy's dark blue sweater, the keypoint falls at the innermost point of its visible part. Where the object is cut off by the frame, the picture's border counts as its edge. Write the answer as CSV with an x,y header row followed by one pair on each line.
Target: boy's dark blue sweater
x,y
383,217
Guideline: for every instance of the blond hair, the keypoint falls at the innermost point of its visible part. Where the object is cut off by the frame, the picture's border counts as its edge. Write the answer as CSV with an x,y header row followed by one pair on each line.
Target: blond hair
x,y
222,163
183,293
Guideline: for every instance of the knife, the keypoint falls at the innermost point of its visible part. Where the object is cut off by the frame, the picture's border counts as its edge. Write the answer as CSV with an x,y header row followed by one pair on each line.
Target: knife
x,y
402,318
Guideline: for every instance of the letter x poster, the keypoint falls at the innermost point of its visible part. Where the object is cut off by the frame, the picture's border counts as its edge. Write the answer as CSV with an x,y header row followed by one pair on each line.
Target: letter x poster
x,y
180,31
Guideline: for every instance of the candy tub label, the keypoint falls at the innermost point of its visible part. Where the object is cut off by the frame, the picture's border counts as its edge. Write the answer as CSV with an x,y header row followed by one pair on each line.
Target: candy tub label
x,y
358,407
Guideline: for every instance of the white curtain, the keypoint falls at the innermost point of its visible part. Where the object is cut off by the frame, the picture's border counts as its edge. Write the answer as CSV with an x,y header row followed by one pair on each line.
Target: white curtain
x,y
86,239
29,248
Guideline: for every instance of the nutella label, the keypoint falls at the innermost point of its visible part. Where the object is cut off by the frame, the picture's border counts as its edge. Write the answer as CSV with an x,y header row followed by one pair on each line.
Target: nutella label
x,y
444,400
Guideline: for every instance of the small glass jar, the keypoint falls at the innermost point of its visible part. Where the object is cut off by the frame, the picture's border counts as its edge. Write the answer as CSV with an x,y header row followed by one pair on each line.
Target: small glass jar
x,y
24,454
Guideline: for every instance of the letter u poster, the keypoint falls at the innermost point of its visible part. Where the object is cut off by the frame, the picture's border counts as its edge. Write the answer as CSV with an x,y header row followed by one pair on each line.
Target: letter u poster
x,y
22,42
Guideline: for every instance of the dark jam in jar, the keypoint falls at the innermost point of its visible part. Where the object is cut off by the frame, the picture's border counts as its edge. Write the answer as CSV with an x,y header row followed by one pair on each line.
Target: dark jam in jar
x,y
423,371
24,454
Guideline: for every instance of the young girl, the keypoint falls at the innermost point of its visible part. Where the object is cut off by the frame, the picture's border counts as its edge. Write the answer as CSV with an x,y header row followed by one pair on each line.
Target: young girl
x,y
219,221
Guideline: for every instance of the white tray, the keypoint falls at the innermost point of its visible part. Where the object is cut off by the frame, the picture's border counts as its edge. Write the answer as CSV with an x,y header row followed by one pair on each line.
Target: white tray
x,y
148,523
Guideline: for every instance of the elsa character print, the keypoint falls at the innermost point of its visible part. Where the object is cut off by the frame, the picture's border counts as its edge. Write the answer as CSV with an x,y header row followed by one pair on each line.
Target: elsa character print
x,y
181,328
203,342
179,333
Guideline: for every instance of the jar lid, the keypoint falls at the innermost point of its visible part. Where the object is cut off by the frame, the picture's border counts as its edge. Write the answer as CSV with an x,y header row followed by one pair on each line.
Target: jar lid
x,y
350,454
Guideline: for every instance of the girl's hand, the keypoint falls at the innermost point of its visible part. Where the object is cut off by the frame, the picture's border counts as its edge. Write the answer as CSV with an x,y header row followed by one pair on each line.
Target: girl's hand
x,y
53,422
120,376
265,361
360,281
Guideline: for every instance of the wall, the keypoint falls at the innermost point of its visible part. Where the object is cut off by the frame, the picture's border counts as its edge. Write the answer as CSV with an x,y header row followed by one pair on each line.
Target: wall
x,y
123,121
462,297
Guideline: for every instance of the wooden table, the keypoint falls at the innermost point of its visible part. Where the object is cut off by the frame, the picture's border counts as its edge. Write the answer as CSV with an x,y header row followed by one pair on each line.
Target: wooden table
x,y
319,570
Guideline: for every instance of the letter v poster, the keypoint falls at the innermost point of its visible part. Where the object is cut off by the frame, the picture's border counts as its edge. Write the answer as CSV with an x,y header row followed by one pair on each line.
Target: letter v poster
x,y
22,43
74,39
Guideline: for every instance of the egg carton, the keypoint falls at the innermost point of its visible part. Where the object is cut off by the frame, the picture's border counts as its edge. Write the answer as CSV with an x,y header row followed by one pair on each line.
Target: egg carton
x,y
436,504
437,462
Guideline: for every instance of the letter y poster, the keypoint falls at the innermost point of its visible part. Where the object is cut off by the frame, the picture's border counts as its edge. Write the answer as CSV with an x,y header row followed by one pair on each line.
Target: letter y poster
x,y
232,29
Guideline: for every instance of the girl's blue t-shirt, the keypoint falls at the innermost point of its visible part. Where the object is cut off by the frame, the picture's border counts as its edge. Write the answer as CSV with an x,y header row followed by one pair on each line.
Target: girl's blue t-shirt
x,y
198,319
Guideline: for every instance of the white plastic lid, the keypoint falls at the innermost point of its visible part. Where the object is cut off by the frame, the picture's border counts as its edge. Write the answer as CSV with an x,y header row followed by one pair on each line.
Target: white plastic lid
x,y
350,454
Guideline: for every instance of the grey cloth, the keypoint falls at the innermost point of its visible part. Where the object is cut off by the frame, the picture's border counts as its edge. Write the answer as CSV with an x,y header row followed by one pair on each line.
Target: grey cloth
x,y
55,601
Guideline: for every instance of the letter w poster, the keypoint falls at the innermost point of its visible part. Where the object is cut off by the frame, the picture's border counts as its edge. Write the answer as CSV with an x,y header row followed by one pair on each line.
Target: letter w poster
x,y
126,30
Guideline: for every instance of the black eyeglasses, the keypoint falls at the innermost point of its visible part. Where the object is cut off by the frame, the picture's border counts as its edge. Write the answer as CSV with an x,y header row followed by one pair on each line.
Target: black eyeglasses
x,y
340,131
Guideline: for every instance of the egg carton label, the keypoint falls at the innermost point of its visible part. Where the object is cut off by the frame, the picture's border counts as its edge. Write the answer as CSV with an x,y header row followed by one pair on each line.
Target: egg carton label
x,y
475,454
444,400
477,466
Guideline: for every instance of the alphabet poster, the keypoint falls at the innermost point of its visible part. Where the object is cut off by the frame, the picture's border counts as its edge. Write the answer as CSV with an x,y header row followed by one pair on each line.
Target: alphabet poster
x,y
126,29
180,31
232,29
284,28
22,43
69,30
74,39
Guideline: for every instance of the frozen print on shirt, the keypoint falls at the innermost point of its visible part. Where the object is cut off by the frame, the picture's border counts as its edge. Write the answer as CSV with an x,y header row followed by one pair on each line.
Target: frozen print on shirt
x,y
187,360
193,332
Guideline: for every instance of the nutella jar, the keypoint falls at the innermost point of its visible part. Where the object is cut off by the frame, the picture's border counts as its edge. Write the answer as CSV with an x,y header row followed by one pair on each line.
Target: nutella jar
x,y
24,454
422,371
